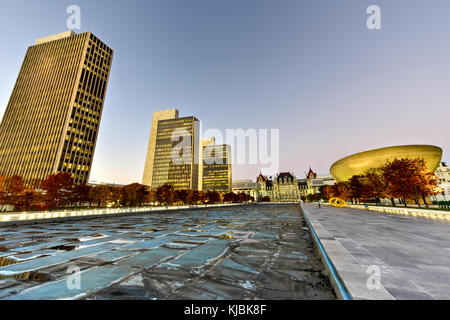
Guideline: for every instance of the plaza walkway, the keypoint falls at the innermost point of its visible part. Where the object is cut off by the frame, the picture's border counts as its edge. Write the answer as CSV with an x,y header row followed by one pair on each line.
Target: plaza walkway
x,y
248,252
413,254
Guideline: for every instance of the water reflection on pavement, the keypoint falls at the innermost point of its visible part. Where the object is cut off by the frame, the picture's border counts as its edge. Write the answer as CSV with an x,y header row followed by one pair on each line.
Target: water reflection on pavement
x,y
251,252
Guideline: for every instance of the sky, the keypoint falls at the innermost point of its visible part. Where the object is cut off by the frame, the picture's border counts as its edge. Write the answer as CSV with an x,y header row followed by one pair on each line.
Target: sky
x,y
311,69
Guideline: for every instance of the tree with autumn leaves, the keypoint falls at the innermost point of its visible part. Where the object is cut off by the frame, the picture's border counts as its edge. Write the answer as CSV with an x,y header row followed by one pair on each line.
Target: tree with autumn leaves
x,y
404,179
167,195
59,191
241,197
409,179
16,194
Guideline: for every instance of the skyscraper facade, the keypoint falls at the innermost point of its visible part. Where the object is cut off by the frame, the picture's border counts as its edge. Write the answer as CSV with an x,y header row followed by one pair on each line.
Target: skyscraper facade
x,y
217,175
52,119
203,144
149,162
176,153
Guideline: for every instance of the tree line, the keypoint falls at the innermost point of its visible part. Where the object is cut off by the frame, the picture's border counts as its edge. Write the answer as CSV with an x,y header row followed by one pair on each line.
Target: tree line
x,y
59,191
403,179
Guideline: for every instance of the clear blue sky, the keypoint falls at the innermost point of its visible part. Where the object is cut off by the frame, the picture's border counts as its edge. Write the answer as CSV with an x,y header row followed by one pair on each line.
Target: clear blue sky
x,y
309,68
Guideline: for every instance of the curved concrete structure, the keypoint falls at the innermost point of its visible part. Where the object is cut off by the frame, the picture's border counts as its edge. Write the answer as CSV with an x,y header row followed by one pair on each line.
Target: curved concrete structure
x,y
358,163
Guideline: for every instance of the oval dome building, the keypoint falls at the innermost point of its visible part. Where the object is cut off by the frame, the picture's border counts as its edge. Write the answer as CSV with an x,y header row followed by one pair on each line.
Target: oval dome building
x,y
359,163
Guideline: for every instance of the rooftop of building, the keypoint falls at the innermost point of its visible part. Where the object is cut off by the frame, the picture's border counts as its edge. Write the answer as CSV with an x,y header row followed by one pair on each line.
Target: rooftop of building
x,y
54,37
285,177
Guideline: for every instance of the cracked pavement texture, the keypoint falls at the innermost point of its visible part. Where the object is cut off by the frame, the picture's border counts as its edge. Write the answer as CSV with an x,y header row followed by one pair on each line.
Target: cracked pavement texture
x,y
248,252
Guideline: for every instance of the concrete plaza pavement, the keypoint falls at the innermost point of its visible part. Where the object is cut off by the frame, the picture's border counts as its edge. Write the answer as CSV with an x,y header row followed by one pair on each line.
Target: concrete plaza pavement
x,y
413,254
247,252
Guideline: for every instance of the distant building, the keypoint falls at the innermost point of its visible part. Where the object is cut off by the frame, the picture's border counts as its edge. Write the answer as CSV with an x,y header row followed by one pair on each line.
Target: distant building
x,y
313,182
150,160
52,119
443,174
176,154
97,183
357,164
216,168
204,143
283,188
246,186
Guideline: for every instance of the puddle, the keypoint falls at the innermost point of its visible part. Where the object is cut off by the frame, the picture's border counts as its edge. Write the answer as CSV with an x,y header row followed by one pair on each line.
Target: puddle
x,y
6,262
31,276
65,248
154,230
43,237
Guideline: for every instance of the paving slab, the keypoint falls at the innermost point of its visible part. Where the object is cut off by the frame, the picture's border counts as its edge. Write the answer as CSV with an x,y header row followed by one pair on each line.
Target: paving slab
x,y
409,252
269,254
36,264
91,280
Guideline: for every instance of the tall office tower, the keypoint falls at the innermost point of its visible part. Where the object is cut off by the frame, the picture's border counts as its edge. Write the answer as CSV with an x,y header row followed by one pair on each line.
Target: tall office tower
x,y
148,168
52,119
216,165
176,154
204,143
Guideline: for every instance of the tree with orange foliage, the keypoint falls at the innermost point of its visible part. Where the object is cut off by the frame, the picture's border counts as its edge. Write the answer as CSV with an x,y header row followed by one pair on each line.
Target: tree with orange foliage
x,y
150,197
58,189
374,186
133,194
81,194
408,179
165,194
427,183
230,197
14,191
101,194
323,192
212,197
29,198
355,187
339,190
181,196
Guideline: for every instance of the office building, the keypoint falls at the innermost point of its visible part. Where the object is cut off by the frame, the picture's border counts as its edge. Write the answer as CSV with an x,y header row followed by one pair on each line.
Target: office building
x,y
217,174
174,159
149,162
52,119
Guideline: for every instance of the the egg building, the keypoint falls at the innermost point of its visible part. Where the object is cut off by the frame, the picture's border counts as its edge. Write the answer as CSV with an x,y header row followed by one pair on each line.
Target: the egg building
x,y
359,163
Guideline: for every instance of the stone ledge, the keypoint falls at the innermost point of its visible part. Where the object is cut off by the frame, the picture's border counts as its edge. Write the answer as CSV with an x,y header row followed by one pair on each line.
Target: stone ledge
x,y
350,272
